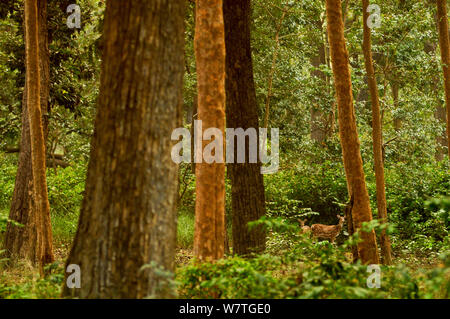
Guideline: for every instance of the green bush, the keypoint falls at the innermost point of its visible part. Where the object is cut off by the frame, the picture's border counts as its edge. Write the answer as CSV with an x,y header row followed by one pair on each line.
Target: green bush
x,y
7,177
308,190
303,269
31,285
407,191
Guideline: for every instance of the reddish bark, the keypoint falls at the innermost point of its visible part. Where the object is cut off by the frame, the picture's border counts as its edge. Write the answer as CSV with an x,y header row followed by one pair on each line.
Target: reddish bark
x,y
445,57
210,187
376,136
353,165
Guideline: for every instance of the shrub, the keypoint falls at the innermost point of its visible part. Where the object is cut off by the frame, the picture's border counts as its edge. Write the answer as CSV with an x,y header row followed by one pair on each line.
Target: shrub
x,y
303,269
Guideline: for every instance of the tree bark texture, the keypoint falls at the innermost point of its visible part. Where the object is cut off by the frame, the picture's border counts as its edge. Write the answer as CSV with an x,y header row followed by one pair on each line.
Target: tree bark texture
x,y
445,58
376,136
128,216
247,187
30,205
353,165
20,242
319,123
209,46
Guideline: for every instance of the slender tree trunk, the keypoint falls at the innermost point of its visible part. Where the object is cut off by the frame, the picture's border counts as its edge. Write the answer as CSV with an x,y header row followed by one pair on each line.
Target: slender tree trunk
x,y
376,136
20,242
272,70
445,57
353,165
319,123
441,139
247,187
398,122
440,112
351,230
30,205
128,216
209,42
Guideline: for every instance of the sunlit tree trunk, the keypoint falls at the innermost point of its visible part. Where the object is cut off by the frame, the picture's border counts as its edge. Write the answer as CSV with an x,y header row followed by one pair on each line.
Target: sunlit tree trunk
x,y
248,203
40,201
128,216
445,57
353,165
210,188
20,242
30,205
376,136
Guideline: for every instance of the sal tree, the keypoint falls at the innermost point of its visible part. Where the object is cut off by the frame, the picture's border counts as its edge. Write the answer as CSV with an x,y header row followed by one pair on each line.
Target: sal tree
x,y
248,203
127,228
30,206
361,212
377,136
209,237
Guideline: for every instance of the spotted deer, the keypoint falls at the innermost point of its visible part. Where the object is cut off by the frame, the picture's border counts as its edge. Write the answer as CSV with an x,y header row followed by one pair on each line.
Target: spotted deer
x,y
329,232
304,229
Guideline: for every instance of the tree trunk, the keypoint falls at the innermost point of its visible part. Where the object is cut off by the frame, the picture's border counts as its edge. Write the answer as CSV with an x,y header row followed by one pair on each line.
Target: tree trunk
x,y
247,187
319,123
398,122
353,165
351,230
30,205
445,57
272,69
441,139
210,188
376,136
128,216
440,112
20,242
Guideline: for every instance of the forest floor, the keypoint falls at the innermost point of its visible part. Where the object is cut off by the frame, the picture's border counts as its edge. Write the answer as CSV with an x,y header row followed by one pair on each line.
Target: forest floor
x,y
24,281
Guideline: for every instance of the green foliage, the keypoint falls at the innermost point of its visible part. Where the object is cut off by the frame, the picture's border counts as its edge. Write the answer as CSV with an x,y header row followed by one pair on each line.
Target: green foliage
x,y
441,208
230,278
65,193
303,269
29,285
185,235
66,188
406,198
308,190
7,177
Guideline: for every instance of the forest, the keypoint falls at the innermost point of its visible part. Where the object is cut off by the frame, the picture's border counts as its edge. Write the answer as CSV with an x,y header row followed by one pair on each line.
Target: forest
x,y
224,149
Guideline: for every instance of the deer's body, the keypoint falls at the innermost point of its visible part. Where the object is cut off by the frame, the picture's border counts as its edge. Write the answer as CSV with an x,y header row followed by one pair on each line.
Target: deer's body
x,y
329,232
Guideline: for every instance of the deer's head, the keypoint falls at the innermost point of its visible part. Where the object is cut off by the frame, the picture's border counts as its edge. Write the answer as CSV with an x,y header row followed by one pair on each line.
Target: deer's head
x,y
341,219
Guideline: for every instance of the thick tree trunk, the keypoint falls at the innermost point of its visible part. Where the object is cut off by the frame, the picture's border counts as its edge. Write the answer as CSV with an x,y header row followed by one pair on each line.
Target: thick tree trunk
x,y
353,165
248,201
210,188
30,205
376,136
128,216
445,57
